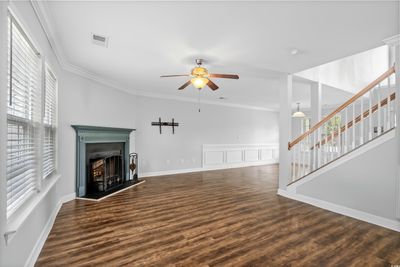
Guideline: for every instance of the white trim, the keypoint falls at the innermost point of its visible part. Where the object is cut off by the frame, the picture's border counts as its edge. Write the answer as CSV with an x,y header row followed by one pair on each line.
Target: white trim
x,y
46,230
202,169
356,214
393,40
345,158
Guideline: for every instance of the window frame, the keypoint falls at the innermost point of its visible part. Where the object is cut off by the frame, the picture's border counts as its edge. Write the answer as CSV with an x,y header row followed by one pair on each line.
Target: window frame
x,y
16,219
47,66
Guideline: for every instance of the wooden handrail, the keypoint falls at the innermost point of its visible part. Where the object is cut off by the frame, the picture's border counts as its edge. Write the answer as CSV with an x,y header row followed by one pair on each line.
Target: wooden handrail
x,y
343,106
366,113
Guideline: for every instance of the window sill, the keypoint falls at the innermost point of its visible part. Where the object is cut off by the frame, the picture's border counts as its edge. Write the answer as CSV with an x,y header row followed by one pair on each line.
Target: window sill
x,y
19,218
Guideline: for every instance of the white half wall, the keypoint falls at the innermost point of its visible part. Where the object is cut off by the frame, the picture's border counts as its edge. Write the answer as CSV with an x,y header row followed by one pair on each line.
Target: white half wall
x,y
366,182
215,124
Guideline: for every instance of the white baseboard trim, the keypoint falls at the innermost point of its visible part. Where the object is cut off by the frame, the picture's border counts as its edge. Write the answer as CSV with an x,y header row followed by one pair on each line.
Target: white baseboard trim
x,y
208,168
46,231
356,214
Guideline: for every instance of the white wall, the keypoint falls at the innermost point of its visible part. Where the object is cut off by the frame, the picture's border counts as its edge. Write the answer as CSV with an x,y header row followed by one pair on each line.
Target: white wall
x,y
366,182
351,73
213,125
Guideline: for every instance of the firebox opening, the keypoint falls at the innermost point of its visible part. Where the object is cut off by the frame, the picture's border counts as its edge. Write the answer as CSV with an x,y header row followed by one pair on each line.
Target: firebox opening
x,y
105,167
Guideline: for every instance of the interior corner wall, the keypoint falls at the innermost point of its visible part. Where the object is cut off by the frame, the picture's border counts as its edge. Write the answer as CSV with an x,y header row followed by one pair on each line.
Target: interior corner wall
x,y
86,102
215,124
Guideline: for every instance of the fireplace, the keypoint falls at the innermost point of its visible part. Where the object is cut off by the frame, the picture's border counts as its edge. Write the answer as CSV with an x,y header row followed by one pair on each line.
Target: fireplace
x,y
102,161
105,166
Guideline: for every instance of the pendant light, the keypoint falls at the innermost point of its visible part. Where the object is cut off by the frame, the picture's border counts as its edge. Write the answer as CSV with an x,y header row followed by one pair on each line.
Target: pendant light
x,y
298,113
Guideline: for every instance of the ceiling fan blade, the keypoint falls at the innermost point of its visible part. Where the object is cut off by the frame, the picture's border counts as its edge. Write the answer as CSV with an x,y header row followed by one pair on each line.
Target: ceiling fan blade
x,y
212,85
177,75
226,76
185,85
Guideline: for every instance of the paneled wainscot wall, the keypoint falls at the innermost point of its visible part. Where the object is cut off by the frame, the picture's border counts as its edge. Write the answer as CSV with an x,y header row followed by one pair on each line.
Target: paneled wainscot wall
x,y
239,155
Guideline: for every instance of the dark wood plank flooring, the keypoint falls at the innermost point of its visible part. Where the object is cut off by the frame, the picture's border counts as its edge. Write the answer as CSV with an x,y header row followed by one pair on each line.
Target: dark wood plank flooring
x,y
215,218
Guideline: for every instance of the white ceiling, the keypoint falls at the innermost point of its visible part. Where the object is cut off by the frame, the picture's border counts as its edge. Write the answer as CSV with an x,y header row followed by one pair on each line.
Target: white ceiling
x,y
252,39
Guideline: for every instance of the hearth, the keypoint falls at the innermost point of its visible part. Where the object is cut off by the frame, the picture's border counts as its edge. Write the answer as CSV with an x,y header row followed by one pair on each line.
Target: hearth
x,y
102,161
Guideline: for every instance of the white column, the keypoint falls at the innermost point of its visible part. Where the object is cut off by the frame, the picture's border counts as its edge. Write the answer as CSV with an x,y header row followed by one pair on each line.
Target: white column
x,y
315,102
3,127
394,55
397,110
285,130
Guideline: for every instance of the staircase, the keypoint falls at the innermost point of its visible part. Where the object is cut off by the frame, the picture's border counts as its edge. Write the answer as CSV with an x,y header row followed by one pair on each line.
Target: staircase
x,y
365,117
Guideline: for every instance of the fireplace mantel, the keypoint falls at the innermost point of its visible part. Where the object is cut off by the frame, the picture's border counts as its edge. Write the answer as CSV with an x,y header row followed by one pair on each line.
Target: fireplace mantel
x,y
94,134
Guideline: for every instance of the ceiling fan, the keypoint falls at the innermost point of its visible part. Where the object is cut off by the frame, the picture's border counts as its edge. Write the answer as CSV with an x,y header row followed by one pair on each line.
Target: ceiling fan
x,y
200,77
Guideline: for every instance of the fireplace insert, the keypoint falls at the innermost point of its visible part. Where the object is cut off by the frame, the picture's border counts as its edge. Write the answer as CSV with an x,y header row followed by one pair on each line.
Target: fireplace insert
x,y
106,172
105,167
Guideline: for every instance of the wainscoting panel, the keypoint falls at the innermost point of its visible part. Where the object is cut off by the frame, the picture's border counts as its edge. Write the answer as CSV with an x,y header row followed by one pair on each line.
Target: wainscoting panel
x,y
239,155
234,156
214,157
251,155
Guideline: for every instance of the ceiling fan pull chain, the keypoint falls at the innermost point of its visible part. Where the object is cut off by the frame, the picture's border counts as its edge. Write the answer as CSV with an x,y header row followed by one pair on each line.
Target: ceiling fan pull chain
x,y
199,100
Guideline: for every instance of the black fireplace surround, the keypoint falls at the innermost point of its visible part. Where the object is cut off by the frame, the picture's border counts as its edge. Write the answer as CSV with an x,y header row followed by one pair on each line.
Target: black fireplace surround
x,y
102,160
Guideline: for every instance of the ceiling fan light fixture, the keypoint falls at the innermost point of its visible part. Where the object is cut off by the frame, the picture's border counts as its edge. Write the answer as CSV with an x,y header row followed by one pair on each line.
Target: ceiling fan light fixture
x,y
199,71
199,82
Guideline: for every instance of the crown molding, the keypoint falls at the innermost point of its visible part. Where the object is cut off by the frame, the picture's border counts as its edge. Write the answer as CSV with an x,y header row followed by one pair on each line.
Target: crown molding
x,y
392,41
45,22
48,29
203,101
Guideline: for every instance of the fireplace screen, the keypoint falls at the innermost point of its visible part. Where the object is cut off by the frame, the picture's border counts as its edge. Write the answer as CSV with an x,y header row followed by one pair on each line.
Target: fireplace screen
x,y
105,167
106,173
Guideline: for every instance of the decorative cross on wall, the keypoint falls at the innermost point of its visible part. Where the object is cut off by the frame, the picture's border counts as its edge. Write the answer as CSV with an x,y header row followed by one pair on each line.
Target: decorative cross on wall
x,y
160,123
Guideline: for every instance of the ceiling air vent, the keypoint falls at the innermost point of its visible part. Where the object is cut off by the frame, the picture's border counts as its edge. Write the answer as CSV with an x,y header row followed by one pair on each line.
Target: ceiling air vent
x,y
100,40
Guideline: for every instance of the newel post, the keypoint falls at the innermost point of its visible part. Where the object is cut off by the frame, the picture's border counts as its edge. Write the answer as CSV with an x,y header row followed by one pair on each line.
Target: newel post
x,y
394,58
285,129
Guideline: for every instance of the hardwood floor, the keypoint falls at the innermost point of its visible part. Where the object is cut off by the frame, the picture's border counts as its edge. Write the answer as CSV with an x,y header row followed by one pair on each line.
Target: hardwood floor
x,y
215,218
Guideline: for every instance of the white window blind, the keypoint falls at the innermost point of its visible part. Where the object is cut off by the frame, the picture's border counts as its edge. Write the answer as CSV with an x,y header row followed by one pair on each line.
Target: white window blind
x,y
23,117
49,122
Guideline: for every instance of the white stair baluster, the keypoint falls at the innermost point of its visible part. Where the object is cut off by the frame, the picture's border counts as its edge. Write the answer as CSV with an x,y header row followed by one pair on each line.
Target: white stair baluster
x,y
319,156
346,132
362,121
332,144
371,126
379,110
314,146
309,152
353,141
340,138
294,163
303,170
326,148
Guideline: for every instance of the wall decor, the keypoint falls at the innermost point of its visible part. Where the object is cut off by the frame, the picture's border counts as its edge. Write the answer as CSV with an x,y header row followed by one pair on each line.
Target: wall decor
x,y
160,123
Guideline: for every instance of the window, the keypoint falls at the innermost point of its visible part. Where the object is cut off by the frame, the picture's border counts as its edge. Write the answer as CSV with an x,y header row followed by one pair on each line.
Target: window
x,y
31,119
333,125
49,123
305,124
